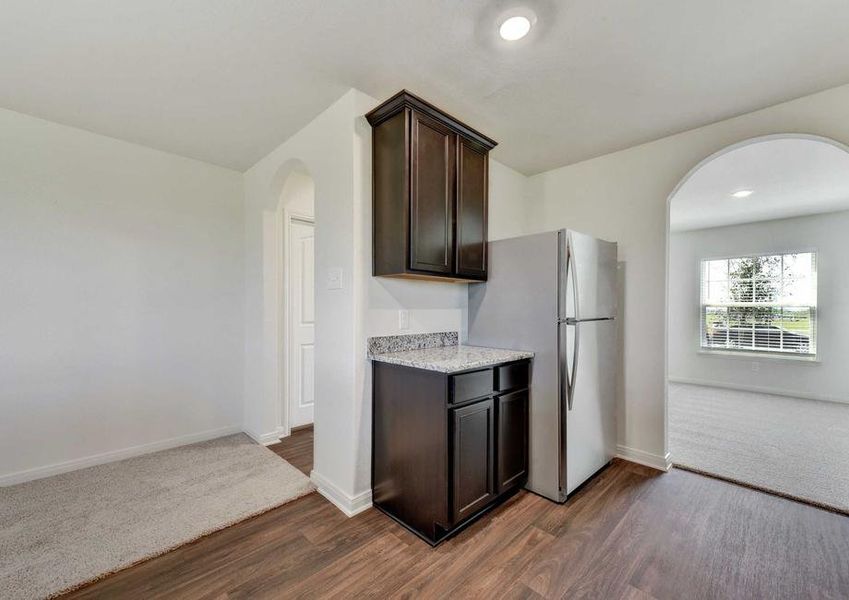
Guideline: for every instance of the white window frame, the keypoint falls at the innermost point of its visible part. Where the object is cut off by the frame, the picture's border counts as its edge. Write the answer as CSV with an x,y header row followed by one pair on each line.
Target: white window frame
x,y
781,353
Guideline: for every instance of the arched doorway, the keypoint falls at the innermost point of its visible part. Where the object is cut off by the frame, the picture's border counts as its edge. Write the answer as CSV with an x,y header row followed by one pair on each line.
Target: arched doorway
x,y
755,330
288,312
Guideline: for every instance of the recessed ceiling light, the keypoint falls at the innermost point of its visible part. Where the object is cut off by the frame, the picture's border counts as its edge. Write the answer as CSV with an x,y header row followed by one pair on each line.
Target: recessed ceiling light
x,y
515,28
743,193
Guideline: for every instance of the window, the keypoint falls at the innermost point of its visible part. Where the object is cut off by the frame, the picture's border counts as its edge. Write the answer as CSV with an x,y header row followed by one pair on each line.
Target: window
x,y
764,304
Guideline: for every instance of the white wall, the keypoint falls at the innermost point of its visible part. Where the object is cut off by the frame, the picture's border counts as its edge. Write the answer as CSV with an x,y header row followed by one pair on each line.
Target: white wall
x,y
623,197
324,149
120,298
826,379
298,195
509,205
335,149
165,232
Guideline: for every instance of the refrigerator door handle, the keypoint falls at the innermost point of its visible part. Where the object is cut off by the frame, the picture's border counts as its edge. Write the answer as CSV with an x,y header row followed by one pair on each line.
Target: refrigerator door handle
x,y
574,377
572,273
571,321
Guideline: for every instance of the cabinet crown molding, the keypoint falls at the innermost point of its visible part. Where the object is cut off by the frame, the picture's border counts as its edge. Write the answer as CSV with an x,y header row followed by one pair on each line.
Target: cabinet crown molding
x,y
405,99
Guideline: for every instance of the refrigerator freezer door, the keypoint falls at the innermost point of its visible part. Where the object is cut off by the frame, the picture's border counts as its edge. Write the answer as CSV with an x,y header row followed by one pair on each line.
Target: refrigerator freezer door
x,y
589,286
591,420
517,308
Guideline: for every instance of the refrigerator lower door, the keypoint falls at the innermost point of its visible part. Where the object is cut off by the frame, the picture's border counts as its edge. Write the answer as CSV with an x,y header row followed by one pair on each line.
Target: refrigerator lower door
x,y
589,352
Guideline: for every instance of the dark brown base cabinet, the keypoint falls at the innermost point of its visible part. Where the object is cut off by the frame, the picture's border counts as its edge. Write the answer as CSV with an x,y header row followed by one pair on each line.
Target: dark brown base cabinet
x,y
447,447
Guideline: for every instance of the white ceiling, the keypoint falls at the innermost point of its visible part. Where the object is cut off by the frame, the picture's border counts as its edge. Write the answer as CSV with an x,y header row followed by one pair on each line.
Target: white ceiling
x,y
226,80
790,177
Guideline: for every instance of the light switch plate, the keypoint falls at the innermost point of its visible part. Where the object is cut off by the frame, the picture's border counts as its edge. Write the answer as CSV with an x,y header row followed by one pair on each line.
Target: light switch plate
x,y
403,319
334,279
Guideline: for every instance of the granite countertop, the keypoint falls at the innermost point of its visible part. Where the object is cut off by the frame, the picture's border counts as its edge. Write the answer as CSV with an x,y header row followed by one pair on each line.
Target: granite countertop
x,y
450,359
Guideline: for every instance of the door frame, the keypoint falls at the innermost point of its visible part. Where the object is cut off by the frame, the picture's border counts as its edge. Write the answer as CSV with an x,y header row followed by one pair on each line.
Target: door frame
x,y
288,217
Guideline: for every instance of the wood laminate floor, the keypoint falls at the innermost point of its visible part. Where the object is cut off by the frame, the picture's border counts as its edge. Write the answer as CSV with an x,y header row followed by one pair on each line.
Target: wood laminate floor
x,y
297,449
631,533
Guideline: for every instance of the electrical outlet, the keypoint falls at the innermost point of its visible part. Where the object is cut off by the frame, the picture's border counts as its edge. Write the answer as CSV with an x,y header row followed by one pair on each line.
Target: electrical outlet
x,y
334,279
403,319
756,366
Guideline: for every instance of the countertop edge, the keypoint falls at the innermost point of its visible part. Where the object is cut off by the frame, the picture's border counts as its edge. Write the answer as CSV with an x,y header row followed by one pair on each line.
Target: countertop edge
x,y
515,355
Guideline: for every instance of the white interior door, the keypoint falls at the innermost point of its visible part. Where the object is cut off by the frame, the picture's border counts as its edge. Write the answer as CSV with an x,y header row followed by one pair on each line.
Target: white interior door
x,y
301,336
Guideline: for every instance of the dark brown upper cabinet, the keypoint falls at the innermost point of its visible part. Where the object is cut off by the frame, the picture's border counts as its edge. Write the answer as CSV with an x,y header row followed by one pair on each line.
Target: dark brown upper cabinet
x,y
432,195
472,187
431,188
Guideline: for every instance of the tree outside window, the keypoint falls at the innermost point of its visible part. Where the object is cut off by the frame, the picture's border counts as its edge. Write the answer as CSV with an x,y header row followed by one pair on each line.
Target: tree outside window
x,y
760,303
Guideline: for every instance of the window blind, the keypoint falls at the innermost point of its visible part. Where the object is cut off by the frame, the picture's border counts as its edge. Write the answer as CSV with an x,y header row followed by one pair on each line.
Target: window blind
x,y
765,303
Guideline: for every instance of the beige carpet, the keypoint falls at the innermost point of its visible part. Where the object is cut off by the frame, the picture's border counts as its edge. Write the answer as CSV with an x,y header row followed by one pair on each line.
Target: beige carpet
x,y
60,532
792,446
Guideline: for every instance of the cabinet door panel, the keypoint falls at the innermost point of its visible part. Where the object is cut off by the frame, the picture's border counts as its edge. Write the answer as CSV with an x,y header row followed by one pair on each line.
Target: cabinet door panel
x,y
433,160
512,439
473,456
472,166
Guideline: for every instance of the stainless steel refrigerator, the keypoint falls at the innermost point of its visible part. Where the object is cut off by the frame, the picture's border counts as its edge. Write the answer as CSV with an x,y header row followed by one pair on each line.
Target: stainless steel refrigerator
x,y
555,294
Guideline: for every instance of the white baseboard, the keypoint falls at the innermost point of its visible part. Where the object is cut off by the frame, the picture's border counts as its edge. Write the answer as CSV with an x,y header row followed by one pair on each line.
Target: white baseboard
x,y
758,389
647,459
113,455
350,505
266,439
